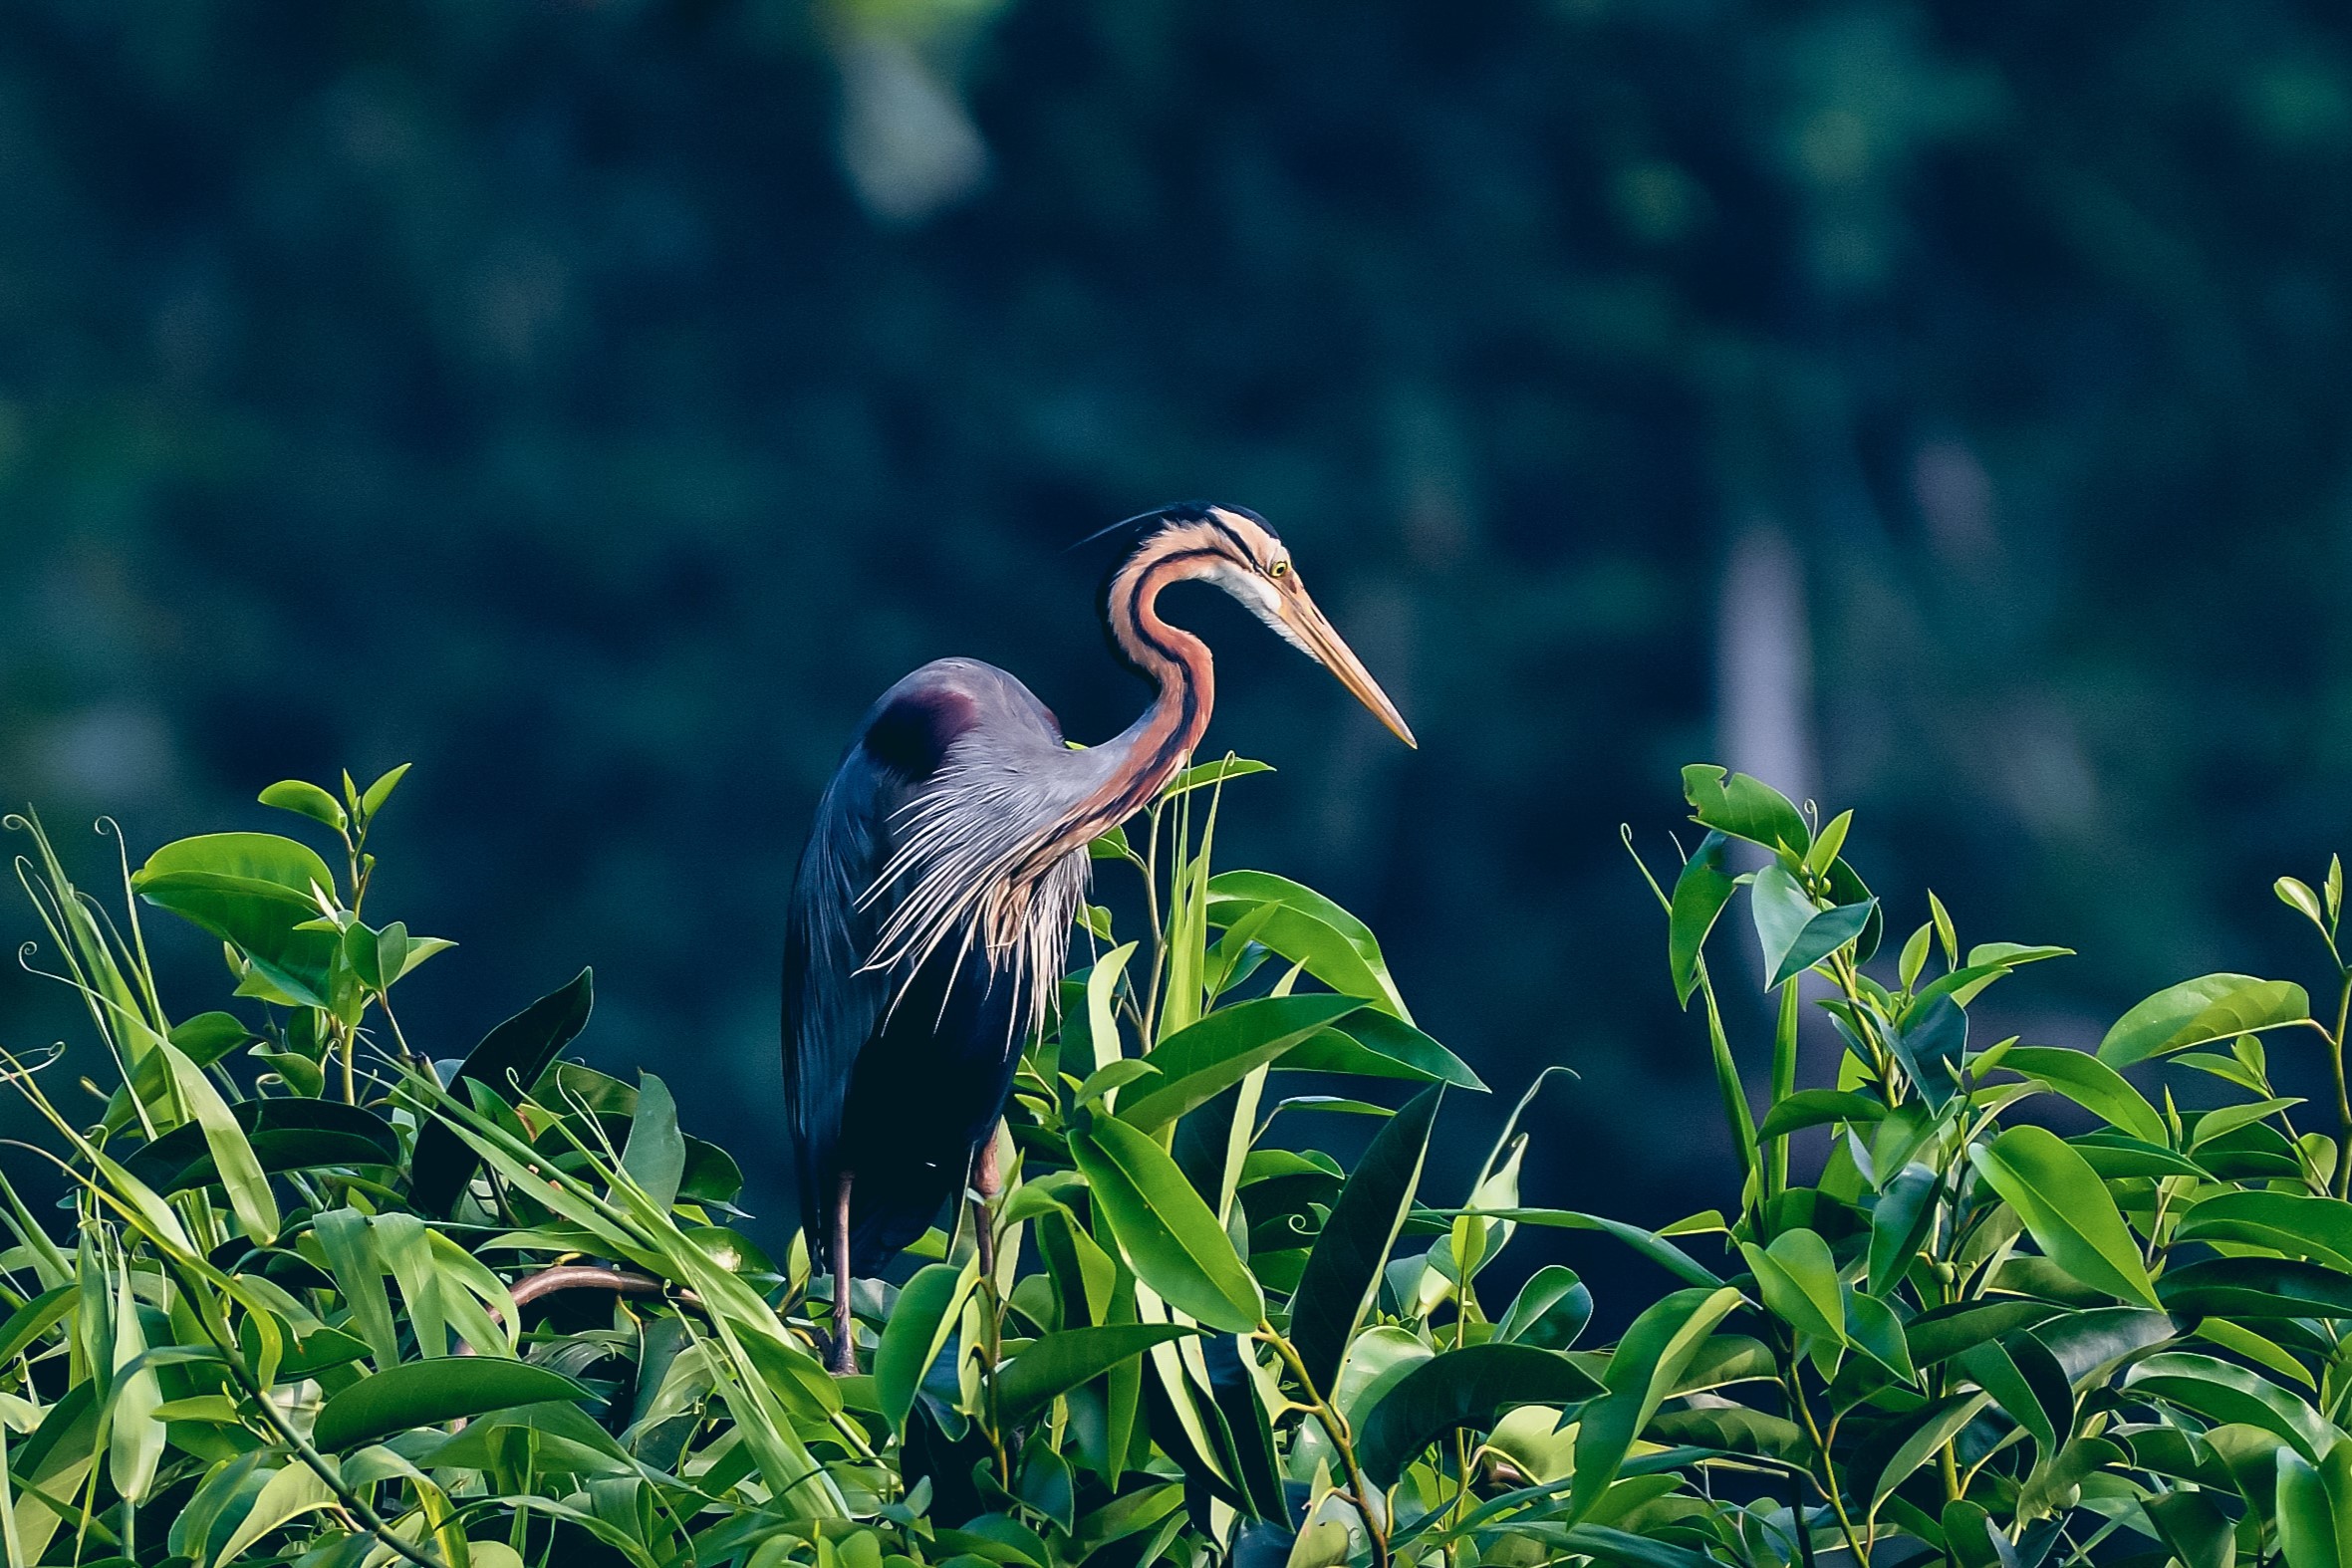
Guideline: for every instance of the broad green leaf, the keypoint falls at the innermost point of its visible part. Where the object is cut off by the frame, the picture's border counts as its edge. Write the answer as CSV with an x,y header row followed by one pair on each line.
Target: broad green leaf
x,y
1745,808
2026,1379
1899,1225
350,1246
2200,1013
2255,1287
1171,1238
2091,1083
1204,1061
1333,946
1817,1108
1799,1280
2195,1527
35,1318
2293,1224
378,792
656,1153
265,921
1701,893
1462,1387
1343,1272
919,1328
1371,1044
138,1445
1642,1374
1872,1328
2315,1508
242,856
286,1496
509,1060
1945,1332
305,799
1057,1363
2226,1393
1931,1043
1903,1445
2116,1156
428,1392
2066,1208
1550,1310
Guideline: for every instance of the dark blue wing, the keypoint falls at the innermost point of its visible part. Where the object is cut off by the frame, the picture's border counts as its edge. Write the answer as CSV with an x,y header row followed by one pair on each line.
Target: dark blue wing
x,y
836,1010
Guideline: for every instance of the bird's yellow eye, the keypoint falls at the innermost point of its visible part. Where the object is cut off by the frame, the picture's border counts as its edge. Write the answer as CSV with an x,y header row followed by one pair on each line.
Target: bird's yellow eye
x,y
1279,569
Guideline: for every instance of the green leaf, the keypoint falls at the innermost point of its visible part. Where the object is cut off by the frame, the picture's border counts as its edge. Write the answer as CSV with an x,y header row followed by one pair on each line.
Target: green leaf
x,y
35,1318
1550,1310
917,1329
2116,1156
2092,1083
381,791
656,1153
1795,935
1172,1240
1932,1042
1202,1061
283,1134
2226,1393
1905,1443
287,1495
242,856
1824,852
263,920
208,1037
1872,1328
2315,1508
2200,1013
1643,1371
1899,1225
509,1061
1701,893
1944,1332
1469,1387
1649,1244
1817,1107
1745,808
1799,1280
2194,1526
428,1392
1208,775
307,800
2026,1379
1309,929
233,1156
2292,1224
1372,1044
2255,1287
2066,1208
1054,1365
1343,1271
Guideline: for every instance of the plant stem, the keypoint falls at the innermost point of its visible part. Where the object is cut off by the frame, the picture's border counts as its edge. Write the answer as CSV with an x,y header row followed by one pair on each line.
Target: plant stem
x,y
1337,1426
2335,1061
1793,1385
358,1507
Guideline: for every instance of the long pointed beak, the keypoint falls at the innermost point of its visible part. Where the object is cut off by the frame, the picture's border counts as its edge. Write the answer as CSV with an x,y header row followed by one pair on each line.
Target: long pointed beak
x,y
1302,616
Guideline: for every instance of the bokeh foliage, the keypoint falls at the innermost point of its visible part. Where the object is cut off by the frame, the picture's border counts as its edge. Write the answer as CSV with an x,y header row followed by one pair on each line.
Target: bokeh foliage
x,y
523,388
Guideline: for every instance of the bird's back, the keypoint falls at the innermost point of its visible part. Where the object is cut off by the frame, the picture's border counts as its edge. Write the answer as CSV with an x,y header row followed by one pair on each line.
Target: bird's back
x,y
848,1027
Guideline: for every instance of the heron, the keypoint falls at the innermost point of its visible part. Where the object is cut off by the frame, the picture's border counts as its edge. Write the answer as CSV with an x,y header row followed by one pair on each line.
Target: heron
x,y
932,913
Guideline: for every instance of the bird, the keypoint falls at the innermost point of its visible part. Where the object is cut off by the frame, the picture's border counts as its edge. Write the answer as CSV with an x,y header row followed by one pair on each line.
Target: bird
x,y
932,913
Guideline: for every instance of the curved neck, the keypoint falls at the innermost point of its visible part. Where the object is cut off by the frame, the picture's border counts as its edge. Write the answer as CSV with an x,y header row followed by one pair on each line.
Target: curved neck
x,y
1150,750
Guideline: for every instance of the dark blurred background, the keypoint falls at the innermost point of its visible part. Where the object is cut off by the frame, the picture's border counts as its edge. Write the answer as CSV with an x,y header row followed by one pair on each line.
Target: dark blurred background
x,y
1937,409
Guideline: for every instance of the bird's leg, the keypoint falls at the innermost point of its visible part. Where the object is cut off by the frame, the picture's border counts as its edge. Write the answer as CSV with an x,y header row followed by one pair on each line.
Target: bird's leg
x,y
844,1363
988,1187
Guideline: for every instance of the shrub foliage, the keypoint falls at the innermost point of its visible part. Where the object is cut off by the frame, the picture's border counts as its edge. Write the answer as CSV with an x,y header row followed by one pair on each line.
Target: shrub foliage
x,y
377,1308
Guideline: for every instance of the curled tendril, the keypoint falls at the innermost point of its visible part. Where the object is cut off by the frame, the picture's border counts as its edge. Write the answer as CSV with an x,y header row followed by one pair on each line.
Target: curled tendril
x,y
24,958
22,1071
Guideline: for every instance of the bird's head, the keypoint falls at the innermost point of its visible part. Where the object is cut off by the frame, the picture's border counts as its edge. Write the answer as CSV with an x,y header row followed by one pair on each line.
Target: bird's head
x,y
1235,548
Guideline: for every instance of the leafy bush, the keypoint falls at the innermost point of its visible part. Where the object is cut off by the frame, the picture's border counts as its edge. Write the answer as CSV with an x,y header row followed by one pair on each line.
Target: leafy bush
x,y
381,1309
